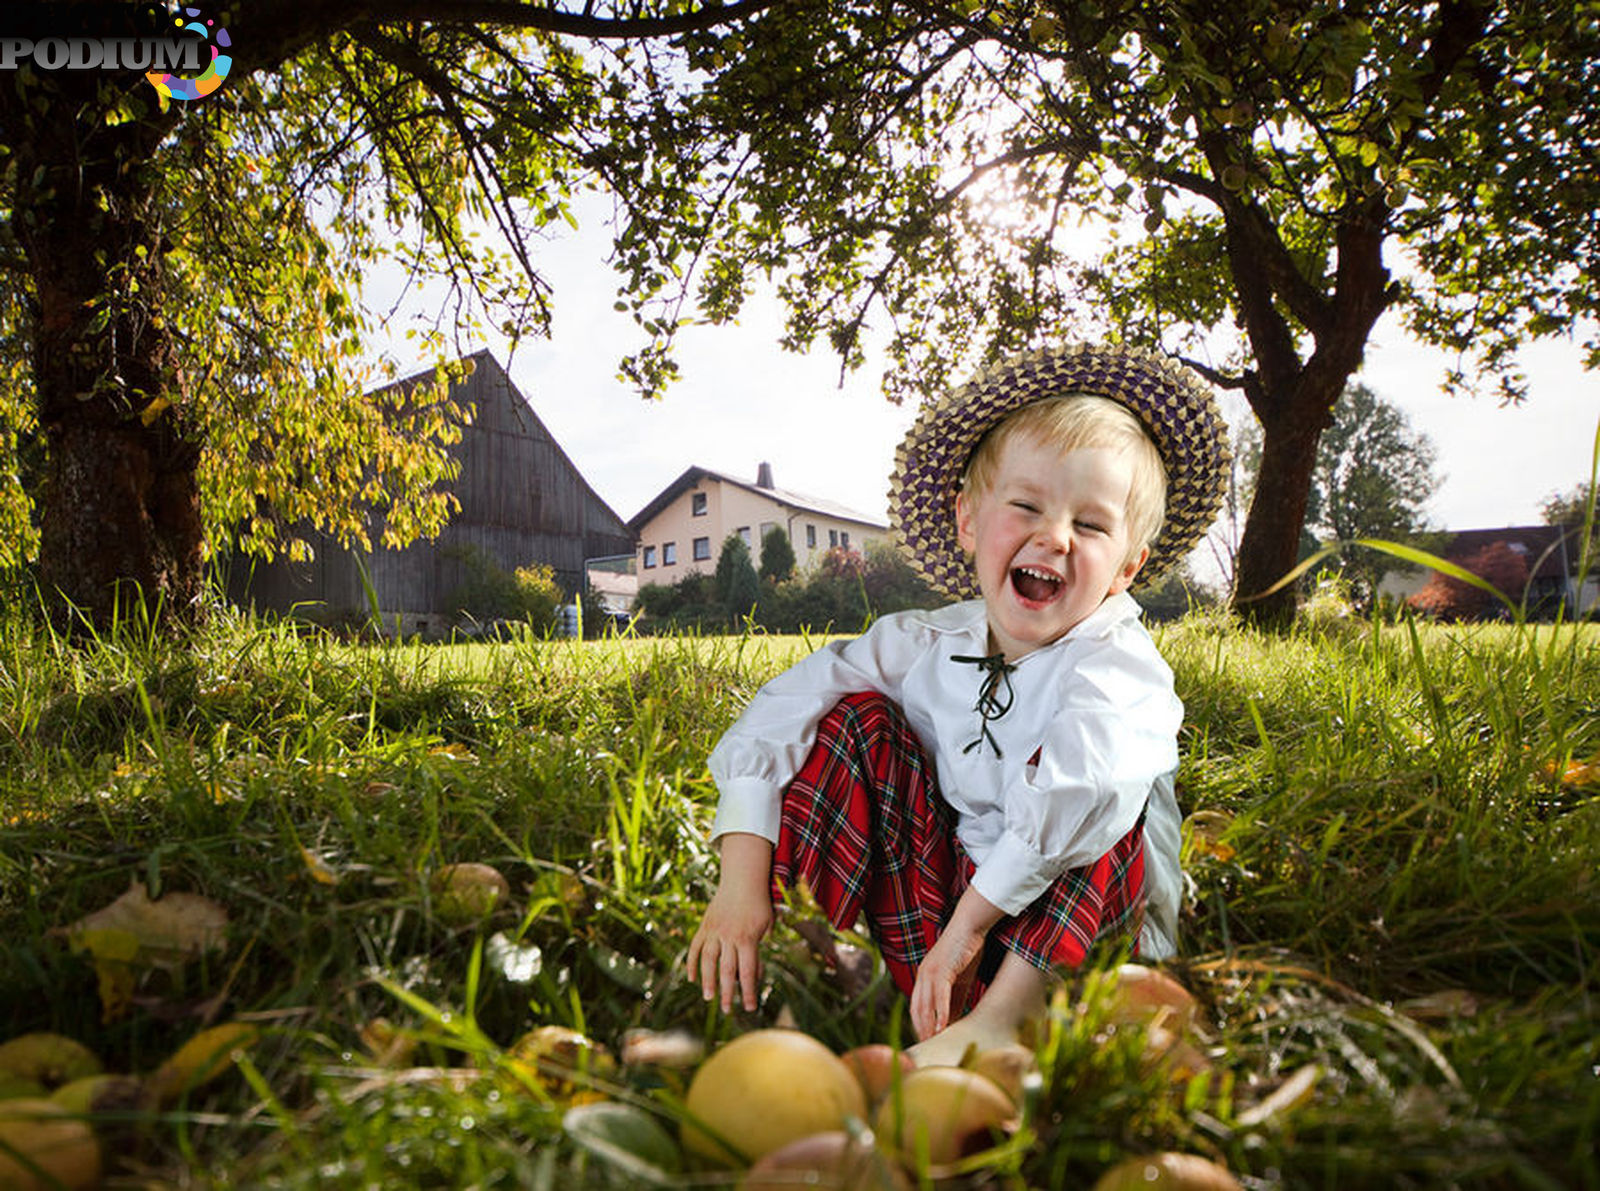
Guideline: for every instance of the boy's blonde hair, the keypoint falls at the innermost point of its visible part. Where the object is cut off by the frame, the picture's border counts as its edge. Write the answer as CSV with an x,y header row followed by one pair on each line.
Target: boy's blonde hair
x,y
1069,423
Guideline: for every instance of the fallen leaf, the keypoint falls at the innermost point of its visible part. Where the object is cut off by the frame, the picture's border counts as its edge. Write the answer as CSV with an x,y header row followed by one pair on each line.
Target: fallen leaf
x,y
1288,1096
1205,830
317,868
170,930
1450,1002
113,953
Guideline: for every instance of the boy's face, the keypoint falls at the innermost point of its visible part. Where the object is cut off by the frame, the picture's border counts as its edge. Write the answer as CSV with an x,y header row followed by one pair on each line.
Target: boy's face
x,y
1049,540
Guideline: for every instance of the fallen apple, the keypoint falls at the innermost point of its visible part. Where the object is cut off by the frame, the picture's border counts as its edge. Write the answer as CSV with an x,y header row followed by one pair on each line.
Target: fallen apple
x,y
1008,1067
42,1146
103,1093
942,1114
833,1160
468,892
1179,1057
560,1060
765,1089
1144,994
875,1066
49,1060
1167,1172
13,1087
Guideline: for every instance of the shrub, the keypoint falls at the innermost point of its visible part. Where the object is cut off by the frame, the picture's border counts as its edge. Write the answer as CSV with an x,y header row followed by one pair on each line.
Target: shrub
x,y
489,592
777,555
1449,598
737,587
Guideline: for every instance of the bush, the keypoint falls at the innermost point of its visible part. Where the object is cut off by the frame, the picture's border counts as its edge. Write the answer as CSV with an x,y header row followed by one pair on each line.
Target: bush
x,y
843,594
777,555
737,587
489,592
1448,598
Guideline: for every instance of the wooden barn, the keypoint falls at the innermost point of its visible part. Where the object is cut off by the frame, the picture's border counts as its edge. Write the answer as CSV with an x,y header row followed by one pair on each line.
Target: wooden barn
x,y
522,501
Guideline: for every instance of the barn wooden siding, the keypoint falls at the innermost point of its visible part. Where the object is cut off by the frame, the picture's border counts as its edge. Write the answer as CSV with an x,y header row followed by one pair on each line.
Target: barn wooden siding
x,y
522,501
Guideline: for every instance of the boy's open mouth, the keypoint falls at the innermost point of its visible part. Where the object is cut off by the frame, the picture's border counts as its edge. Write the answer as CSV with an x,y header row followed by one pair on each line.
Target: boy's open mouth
x,y
1034,584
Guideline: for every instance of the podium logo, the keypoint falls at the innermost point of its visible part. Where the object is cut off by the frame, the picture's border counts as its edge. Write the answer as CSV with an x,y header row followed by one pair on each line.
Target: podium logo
x,y
178,66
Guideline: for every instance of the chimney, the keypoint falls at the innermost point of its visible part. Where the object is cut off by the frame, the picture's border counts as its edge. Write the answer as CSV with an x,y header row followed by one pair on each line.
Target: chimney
x,y
764,476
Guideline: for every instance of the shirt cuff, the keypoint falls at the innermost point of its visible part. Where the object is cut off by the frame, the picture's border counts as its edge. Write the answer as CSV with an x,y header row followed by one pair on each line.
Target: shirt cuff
x,y
1013,875
748,804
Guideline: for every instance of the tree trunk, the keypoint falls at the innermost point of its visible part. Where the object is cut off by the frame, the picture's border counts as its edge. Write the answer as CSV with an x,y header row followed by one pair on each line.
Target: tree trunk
x,y
119,513
1270,546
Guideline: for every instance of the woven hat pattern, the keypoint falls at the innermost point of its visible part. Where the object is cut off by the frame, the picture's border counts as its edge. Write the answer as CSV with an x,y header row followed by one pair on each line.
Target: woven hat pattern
x,y
1176,409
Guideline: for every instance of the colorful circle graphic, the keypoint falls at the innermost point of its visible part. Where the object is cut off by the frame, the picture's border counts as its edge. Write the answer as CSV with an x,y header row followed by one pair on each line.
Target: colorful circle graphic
x,y
175,86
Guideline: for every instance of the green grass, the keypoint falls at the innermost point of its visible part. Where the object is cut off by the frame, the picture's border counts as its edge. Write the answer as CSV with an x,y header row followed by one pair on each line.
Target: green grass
x,y
1398,831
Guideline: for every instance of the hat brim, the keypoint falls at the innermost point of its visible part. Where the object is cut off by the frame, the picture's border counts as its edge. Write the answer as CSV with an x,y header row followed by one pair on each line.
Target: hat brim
x,y
1176,409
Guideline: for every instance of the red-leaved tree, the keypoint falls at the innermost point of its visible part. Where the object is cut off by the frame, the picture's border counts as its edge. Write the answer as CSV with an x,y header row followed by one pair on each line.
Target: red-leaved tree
x,y
1449,598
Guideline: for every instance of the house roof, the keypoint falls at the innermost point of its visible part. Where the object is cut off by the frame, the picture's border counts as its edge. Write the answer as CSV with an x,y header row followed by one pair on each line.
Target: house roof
x,y
798,501
1551,551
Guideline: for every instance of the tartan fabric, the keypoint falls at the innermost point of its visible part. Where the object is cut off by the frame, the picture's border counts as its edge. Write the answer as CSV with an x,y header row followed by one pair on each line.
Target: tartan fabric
x,y
865,829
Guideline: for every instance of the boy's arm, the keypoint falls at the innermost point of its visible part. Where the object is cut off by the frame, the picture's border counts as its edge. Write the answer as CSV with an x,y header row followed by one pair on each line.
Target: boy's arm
x,y
951,962
723,954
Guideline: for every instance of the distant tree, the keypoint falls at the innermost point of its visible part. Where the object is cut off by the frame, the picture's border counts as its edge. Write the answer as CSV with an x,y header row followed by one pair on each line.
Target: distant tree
x,y
1570,507
1449,598
737,586
777,555
891,584
841,562
1174,594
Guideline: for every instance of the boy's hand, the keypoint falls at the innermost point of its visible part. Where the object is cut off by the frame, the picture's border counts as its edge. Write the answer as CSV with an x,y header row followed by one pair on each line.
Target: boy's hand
x,y
723,955
943,977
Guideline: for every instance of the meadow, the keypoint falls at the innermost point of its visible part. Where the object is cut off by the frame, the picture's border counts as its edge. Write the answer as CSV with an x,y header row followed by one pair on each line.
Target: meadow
x,y
1393,921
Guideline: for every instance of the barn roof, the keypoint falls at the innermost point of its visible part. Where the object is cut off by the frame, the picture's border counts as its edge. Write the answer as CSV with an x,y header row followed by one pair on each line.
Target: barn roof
x,y
799,501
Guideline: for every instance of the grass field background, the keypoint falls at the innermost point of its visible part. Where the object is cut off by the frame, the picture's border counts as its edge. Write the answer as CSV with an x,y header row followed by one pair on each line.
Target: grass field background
x,y
1393,921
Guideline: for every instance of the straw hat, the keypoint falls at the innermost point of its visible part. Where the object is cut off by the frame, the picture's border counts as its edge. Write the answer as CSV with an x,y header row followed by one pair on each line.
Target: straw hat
x,y
1176,409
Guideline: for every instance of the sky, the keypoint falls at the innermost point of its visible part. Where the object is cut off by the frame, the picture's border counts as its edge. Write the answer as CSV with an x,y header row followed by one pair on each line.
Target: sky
x,y
742,400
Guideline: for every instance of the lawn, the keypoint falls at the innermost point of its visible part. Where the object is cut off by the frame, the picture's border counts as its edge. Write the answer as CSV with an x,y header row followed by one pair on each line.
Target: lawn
x,y
1392,931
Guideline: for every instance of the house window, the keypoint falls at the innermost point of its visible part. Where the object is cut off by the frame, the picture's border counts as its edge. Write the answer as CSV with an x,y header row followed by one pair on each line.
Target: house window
x,y
766,528
697,504
669,554
702,549
811,537
744,534
833,538
649,557
844,539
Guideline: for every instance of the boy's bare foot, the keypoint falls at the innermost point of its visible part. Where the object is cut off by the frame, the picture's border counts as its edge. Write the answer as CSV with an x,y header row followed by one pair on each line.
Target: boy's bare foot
x,y
946,1048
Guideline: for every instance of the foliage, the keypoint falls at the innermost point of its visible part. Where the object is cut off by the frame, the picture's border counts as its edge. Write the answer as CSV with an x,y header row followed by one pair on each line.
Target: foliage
x,y
777,555
842,593
1259,168
182,326
489,593
1174,595
1449,598
735,582
1574,506
1398,892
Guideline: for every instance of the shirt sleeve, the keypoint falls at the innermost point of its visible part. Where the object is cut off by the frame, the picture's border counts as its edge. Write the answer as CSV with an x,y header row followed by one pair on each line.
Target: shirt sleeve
x,y
766,746
1115,735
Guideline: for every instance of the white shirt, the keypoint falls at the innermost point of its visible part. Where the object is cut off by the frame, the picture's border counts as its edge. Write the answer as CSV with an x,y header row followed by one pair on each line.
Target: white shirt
x,y
1089,742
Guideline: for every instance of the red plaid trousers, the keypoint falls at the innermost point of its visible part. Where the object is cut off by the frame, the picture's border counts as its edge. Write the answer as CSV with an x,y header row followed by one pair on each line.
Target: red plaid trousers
x,y
865,828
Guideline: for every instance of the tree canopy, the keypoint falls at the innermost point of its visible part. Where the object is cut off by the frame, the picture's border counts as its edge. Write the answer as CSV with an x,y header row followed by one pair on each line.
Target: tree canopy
x,y
1274,176
181,320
